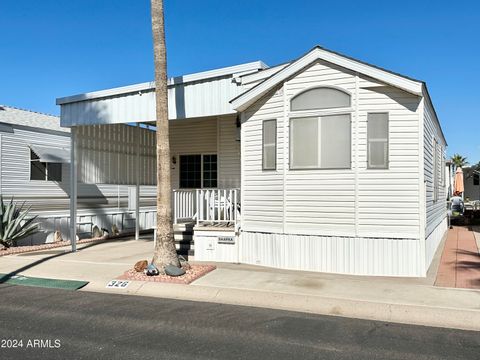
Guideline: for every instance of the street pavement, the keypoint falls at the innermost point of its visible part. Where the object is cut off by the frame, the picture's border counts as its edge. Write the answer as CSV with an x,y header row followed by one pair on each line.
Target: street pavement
x,y
404,300
84,325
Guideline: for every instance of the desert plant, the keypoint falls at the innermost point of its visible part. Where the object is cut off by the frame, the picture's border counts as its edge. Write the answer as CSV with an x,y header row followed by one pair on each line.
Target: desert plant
x,y
14,224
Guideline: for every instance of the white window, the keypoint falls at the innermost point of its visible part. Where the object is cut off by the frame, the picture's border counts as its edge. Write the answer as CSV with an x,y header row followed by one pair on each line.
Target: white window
x,y
198,171
320,98
377,140
322,142
269,152
47,171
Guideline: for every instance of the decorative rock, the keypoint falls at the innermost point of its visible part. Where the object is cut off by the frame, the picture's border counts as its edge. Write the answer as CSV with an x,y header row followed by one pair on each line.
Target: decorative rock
x,y
140,265
184,263
115,230
57,236
174,271
151,270
96,232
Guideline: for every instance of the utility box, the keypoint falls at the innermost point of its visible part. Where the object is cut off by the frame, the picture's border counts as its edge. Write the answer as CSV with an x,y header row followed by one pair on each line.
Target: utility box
x,y
215,245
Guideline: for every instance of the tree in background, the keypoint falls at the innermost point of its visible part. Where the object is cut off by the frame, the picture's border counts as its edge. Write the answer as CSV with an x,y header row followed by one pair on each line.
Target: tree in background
x,y
458,160
165,252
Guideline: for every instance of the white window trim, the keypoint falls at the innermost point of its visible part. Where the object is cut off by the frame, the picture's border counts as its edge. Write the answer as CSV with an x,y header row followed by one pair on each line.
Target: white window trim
x,y
46,170
320,113
316,167
385,140
201,169
274,145
435,169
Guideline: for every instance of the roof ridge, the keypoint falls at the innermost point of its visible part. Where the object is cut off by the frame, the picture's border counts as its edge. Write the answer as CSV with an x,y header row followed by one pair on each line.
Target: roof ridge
x,y
27,110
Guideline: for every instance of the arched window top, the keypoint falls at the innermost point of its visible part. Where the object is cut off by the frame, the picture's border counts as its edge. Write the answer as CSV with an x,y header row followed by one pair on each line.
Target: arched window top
x,y
320,98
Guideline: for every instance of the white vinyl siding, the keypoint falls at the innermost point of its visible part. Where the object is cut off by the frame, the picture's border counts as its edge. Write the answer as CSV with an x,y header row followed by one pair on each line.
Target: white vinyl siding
x,y
338,202
191,137
436,195
229,153
320,201
208,136
388,199
262,191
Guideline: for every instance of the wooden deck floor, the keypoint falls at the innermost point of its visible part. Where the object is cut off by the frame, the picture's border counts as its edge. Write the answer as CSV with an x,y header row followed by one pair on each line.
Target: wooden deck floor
x,y
460,261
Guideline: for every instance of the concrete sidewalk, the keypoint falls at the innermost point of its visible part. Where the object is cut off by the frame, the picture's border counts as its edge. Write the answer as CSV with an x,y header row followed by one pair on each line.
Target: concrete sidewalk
x,y
460,261
404,300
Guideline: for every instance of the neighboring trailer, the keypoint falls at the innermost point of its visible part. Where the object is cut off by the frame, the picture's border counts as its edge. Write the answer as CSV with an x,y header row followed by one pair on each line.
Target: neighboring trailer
x,y
42,180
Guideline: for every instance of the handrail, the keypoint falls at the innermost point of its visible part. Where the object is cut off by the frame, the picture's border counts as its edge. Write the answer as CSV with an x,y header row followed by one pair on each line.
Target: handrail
x,y
212,205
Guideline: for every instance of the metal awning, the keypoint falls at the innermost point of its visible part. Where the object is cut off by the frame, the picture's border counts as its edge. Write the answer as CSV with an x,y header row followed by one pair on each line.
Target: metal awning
x,y
51,154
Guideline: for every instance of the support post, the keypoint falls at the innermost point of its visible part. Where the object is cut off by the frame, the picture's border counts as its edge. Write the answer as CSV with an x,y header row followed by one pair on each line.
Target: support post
x,y
73,189
137,185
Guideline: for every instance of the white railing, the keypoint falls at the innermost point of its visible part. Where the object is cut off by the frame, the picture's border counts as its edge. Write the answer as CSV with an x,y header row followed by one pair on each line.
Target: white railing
x,y
184,205
207,206
218,205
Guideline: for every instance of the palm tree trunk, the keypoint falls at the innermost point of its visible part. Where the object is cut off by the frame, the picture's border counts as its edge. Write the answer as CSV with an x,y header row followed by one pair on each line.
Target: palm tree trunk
x,y
165,253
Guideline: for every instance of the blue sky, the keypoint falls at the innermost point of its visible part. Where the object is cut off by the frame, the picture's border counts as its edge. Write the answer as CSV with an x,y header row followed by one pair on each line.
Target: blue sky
x,y
54,48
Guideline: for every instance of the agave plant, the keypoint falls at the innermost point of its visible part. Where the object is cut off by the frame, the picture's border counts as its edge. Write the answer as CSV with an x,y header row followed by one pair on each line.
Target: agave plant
x,y
14,224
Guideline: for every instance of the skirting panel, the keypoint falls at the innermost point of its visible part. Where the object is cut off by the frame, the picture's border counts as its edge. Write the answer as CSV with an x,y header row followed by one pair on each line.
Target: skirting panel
x,y
346,255
433,240
123,219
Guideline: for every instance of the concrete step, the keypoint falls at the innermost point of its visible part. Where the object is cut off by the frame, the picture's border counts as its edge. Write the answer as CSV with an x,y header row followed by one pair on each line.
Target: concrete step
x,y
187,227
183,237
184,246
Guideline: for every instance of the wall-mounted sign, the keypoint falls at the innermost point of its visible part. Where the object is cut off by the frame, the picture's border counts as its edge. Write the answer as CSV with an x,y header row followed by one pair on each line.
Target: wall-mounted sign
x,y
118,284
229,240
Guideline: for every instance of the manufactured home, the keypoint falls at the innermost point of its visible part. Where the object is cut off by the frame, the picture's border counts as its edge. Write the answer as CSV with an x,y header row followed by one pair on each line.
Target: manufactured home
x,y
324,163
35,169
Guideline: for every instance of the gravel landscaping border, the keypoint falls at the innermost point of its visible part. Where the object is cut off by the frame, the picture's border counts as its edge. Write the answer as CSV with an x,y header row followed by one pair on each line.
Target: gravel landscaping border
x,y
23,249
195,272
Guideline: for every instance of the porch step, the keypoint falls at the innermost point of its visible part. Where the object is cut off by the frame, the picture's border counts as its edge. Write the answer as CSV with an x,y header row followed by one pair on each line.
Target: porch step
x,y
183,235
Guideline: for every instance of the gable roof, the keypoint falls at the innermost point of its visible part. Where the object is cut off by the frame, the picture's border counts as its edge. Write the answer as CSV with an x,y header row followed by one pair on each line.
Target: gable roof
x,y
13,116
405,83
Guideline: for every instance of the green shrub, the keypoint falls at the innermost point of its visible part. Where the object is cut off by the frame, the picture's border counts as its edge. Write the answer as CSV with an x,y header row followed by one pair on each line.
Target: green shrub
x,y
14,224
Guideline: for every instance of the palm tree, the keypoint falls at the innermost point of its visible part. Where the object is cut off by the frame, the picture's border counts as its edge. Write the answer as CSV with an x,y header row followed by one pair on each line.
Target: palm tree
x,y
458,160
165,252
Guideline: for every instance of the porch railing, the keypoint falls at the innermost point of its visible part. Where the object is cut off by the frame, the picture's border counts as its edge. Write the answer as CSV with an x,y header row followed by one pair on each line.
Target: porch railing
x,y
218,205
207,206
184,205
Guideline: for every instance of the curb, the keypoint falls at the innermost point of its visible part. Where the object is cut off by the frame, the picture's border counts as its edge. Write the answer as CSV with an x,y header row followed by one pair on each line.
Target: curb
x,y
445,317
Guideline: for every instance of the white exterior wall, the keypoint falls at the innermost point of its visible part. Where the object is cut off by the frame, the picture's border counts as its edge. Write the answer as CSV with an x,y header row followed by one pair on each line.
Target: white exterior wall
x,y
353,216
320,202
191,137
215,135
436,210
262,191
388,200
229,153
